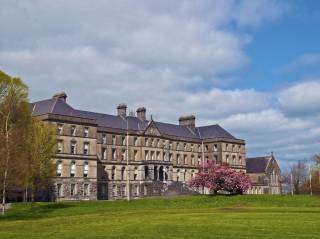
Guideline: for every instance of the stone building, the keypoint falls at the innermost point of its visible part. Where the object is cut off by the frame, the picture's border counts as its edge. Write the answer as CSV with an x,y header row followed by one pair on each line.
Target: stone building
x,y
265,175
98,155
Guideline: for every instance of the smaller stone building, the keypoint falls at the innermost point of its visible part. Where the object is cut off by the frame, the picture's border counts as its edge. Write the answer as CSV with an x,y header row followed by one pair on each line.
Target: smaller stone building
x,y
265,174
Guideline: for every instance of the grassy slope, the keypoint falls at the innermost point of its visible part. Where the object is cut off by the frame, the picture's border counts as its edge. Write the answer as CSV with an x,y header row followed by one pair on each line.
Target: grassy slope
x,y
180,217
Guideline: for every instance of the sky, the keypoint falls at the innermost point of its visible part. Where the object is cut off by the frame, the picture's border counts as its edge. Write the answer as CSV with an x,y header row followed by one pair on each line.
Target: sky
x,y
251,66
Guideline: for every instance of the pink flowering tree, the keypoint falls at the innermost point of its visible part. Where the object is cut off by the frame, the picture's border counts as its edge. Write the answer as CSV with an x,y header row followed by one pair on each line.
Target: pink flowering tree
x,y
216,177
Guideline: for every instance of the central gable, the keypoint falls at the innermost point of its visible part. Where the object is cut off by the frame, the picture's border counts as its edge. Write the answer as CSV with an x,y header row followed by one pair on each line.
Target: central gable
x,y
152,130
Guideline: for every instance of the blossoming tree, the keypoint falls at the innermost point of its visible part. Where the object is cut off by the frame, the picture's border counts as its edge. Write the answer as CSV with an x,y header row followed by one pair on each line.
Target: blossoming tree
x,y
216,177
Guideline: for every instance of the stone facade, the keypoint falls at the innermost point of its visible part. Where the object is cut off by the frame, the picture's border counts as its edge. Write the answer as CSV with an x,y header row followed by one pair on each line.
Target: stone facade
x,y
99,155
265,175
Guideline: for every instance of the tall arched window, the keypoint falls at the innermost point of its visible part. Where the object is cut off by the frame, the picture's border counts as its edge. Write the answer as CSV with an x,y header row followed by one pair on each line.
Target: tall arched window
x,y
178,175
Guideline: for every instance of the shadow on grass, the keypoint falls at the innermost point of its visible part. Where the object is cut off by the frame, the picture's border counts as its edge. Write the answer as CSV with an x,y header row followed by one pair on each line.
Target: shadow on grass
x,y
27,211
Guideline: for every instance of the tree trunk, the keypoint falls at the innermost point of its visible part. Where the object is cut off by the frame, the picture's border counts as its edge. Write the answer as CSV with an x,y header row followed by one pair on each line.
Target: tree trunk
x,y
5,176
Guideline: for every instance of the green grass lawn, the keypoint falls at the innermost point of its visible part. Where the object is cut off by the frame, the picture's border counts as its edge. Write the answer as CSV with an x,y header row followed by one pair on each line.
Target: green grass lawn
x,y
179,217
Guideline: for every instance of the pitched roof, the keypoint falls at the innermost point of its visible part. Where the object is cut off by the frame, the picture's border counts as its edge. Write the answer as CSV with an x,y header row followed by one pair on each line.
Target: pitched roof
x,y
257,164
214,131
60,107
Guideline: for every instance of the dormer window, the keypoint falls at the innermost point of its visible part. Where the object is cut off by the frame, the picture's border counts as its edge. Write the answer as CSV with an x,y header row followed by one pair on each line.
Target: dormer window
x,y
86,132
73,130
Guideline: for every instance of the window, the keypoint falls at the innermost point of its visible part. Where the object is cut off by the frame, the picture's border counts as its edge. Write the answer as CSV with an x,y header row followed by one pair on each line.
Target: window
x,y
73,130
86,132
85,169
239,148
73,147
147,141
113,139
104,138
215,158
158,156
185,159
59,190
170,157
234,160
136,141
73,169
146,154
86,148
170,145
227,158
123,155
233,147
135,175
185,147
73,189
227,147
215,147
199,148
104,153
123,173
146,172
192,160
114,191
60,146
113,173
160,144
240,160
199,160
60,129
135,153
59,168
152,155
178,175
206,148
178,159
123,140
86,191
136,190
114,154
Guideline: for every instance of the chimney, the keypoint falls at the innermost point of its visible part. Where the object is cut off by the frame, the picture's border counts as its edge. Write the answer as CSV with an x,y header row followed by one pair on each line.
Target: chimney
x,y
141,113
61,96
189,120
122,110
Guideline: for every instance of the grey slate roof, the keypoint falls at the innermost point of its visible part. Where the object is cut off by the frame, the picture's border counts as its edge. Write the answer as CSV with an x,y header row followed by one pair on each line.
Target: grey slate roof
x,y
60,107
257,164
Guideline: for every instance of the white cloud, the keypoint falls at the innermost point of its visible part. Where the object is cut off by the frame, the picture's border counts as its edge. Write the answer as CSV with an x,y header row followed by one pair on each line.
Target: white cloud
x,y
170,56
301,99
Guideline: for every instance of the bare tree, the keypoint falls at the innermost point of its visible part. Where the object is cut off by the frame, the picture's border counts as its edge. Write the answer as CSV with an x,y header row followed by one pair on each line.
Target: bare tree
x,y
299,172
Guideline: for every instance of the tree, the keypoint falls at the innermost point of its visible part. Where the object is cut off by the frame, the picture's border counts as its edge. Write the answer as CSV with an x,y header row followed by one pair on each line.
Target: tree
x,y
26,145
299,173
41,144
13,116
216,177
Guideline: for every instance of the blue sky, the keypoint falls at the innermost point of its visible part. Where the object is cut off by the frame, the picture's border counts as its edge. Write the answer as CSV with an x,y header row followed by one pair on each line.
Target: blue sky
x,y
251,66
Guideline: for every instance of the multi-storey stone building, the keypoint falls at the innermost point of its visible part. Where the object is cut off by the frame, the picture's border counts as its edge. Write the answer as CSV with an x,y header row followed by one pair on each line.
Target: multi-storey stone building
x,y
99,155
